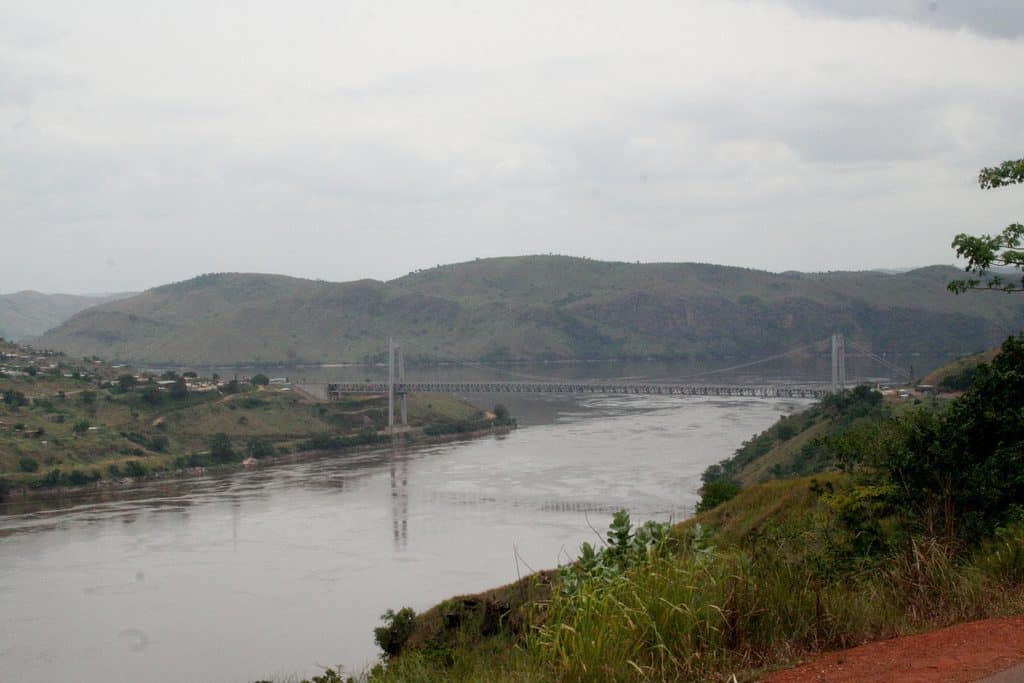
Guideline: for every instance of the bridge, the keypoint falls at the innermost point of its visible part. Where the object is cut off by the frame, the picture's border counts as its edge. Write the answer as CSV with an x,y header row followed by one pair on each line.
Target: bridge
x,y
397,387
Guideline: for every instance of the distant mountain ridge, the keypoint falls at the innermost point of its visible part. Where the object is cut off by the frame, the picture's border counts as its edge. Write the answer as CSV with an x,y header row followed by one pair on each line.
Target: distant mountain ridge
x,y
536,307
28,313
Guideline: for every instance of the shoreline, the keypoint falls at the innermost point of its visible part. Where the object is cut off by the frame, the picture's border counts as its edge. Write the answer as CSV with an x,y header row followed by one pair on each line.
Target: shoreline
x,y
127,484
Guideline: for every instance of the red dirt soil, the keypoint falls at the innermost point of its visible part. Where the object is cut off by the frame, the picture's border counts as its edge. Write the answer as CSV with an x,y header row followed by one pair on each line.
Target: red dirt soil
x,y
966,652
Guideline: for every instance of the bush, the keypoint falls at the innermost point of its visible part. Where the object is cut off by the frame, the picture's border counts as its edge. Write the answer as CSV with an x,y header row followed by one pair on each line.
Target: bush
x,y
14,398
80,427
151,395
126,382
716,492
134,468
260,380
178,391
28,464
259,448
391,637
220,448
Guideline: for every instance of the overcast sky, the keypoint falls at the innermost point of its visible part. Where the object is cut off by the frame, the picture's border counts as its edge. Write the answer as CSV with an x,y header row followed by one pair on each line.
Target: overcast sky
x,y
147,142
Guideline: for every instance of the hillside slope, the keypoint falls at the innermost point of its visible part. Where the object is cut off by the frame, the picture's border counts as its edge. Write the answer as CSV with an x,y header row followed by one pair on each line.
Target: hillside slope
x,y
536,307
28,314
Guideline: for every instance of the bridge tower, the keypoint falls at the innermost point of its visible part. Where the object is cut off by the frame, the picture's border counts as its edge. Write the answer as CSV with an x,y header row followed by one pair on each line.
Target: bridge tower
x,y
395,352
838,363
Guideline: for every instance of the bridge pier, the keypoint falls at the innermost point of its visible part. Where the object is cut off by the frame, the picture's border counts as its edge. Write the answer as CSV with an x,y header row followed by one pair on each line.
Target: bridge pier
x,y
838,363
395,350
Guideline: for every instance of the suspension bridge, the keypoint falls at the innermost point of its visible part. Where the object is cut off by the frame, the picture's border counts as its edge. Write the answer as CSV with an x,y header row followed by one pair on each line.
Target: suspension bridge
x,y
397,388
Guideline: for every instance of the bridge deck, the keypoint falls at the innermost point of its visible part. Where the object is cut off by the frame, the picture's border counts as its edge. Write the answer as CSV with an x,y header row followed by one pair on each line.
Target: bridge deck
x,y
759,391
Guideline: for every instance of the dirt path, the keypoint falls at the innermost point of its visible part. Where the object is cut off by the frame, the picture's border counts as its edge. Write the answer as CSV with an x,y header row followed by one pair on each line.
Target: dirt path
x,y
967,652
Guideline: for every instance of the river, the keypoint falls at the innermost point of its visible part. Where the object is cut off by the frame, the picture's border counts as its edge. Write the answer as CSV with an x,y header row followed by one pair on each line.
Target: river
x,y
279,572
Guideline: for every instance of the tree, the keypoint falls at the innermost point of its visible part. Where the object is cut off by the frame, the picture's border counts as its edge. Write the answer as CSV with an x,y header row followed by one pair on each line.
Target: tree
x,y
178,390
260,380
220,448
14,398
1002,251
126,382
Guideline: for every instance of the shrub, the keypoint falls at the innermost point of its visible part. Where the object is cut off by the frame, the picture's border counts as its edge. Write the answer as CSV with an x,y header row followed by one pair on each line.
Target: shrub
x,y
80,427
178,391
714,493
28,464
391,637
259,448
151,395
134,468
220,448
14,398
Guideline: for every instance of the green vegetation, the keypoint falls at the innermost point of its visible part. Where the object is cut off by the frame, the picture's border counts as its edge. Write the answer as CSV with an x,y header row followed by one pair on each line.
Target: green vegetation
x,y
798,444
989,257
76,422
918,525
538,308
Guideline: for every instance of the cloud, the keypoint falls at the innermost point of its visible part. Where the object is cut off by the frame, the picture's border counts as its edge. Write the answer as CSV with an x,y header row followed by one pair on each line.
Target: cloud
x,y
369,139
999,18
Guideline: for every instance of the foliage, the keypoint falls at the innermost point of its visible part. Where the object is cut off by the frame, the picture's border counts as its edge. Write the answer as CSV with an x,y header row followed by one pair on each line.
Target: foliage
x,y
398,626
957,472
80,427
260,380
151,395
716,492
623,548
221,450
126,382
133,468
28,464
959,381
501,414
985,253
259,448
179,390
14,398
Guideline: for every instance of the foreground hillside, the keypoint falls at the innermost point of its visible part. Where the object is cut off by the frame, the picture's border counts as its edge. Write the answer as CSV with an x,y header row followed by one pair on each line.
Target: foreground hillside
x,y
536,307
68,423
921,528
29,314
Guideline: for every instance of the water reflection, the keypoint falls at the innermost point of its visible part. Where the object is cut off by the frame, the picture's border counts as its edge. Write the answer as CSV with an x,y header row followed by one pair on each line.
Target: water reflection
x,y
273,570
399,501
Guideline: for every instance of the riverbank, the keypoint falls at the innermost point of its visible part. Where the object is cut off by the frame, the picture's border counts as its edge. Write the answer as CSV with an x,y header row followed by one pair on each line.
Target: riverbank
x,y
400,440
905,528
67,424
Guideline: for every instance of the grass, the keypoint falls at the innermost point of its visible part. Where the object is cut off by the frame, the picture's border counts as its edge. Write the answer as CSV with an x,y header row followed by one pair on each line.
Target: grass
x,y
86,429
743,589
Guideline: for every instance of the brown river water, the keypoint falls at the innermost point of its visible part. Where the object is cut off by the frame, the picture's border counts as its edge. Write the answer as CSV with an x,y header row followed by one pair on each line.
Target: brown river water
x,y
279,572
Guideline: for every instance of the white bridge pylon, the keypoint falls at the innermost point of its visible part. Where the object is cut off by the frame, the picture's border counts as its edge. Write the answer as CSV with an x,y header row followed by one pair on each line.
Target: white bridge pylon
x,y
397,388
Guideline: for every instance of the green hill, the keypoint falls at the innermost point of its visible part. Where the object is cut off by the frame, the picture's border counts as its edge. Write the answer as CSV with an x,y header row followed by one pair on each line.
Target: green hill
x,y
28,314
536,307
65,422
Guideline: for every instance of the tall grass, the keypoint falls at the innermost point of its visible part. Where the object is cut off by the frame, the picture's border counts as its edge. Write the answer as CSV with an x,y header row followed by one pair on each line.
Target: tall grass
x,y
706,608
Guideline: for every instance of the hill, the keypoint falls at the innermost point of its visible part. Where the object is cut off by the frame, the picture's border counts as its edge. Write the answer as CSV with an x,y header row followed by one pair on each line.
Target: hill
x,y
28,314
65,422
536,307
